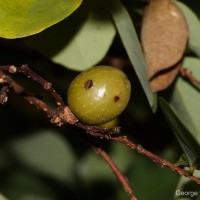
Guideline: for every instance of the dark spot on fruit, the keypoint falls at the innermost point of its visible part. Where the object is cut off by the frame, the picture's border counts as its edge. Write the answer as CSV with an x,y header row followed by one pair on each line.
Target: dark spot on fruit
x,y
88,84
116,98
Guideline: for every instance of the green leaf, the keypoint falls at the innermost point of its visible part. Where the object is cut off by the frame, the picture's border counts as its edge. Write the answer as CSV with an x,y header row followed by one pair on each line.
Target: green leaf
x,y
80,41
178,104
92,167
186,185
47,152
185,98
131,43
194,28
21,184
144,169
20,18
188,143
2,197
31,197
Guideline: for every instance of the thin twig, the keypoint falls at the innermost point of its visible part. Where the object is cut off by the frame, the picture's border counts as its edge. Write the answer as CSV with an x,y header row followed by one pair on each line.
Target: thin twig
x,y
186,73
26,71
64,115
40,105
122,179
3,94
155,158
18,89
162,162
5,85
98,131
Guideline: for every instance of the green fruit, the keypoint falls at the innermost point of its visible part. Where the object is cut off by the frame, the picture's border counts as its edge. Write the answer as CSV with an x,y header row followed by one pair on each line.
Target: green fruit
x,y
110,124
99,94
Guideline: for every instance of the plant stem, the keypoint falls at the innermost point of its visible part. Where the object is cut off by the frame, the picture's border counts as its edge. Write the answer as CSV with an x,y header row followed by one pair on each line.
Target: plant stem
x,y
64,115
122,179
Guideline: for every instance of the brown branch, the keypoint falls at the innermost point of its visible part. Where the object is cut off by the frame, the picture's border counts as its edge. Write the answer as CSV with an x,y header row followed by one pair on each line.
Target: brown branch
x,y
40,105
162,162
60,116
3,94
26,71
18,89
122,179
64,115
155,158
186,73
97,131
5,85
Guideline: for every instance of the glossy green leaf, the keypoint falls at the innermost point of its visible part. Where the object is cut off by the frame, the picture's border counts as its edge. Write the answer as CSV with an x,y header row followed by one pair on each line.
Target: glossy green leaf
x,y
185,98
47,152
194,28
131,43
80,41
20,18
188,143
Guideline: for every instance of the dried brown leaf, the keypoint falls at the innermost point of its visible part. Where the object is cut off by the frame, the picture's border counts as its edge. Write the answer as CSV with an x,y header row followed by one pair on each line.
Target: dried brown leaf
x,y
164,78
164,35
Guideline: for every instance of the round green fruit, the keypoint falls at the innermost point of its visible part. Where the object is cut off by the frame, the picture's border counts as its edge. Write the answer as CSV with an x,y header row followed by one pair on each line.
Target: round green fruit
x,y
110,124
99,95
